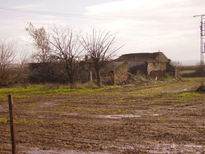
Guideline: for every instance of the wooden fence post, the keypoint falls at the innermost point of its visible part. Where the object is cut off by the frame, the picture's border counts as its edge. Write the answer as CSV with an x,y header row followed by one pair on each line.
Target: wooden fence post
x,y
13,139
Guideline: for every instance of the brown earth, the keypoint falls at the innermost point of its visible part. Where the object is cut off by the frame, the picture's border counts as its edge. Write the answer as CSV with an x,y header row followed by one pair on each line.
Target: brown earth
x,y
151,118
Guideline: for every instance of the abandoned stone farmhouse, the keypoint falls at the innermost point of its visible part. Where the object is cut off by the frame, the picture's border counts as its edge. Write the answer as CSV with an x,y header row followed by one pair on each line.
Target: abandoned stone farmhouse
x,y
152,65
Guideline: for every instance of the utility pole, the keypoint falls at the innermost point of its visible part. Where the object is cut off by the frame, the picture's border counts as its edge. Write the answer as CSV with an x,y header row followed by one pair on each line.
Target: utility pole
x,y
202,47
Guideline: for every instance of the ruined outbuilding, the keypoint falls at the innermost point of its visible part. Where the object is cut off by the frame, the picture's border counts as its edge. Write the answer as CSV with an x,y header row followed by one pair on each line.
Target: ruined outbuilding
x,y
153,65
115,72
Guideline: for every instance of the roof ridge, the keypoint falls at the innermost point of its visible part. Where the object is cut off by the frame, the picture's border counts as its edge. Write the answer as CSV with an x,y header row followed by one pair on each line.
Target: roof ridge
x,y
141,56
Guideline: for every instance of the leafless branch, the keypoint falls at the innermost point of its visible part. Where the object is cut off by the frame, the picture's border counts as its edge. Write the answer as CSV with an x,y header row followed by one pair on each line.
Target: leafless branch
x,y
100,48
68,50
7,56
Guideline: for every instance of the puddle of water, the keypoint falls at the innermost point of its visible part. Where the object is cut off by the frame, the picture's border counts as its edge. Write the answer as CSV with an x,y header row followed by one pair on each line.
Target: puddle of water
x,y
69,114
193,146
166,148
119,116
48,104
155,115
178,91
175,148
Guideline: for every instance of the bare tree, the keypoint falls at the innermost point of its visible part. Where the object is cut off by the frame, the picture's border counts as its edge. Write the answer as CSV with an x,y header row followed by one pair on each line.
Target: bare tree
x,y
41,42
67,49
99,47
22,70
6,58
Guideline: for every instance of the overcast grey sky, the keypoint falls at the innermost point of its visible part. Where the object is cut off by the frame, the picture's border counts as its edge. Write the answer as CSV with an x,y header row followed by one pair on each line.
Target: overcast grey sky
x,y
142,25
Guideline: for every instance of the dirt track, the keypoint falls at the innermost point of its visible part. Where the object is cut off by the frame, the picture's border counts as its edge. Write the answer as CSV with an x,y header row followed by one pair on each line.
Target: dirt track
x,y
124,120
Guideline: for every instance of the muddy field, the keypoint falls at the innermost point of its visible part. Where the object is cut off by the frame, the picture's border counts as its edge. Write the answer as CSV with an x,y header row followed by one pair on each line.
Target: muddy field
x,y
153,117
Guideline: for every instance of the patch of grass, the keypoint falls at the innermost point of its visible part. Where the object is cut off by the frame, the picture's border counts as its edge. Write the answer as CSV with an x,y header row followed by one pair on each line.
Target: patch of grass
x,y
202,130
58,123
166,101
188,94
35,90
187,72
71,108
122,101
185,96
31,106
152,91
162,119
159,88
3,120
40,123
21,121
167,77
91,110
156,111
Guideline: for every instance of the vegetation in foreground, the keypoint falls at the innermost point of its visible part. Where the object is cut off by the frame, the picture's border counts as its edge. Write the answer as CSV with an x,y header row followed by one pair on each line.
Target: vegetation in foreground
x,y
152,116
46,89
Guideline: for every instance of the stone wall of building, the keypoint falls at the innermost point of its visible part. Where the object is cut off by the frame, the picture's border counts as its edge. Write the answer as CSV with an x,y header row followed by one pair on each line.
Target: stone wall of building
x,y
155,67
120,73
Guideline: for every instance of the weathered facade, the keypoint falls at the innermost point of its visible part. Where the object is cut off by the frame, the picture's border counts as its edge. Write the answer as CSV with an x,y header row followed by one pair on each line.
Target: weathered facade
x,y
115,72
153,65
